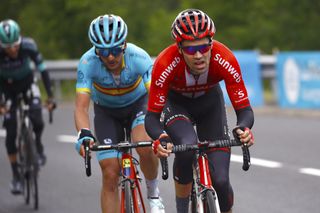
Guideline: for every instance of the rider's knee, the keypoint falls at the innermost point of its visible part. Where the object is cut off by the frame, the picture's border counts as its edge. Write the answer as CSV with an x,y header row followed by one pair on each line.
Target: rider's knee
x,y
11,147
221,182
10,141
146,153
110,171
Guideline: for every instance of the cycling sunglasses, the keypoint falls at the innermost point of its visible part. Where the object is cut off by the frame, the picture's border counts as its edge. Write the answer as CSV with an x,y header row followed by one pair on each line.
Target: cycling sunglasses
x,y
105,52
191,50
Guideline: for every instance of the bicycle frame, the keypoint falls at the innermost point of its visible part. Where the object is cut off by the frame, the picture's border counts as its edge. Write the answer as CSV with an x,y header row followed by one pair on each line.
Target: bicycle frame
x,y
130,180
130,174
27,153
203,196
202,182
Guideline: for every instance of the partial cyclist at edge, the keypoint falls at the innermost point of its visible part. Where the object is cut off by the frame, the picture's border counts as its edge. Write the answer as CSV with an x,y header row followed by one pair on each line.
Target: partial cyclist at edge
x,y
115,75
17,77
185,92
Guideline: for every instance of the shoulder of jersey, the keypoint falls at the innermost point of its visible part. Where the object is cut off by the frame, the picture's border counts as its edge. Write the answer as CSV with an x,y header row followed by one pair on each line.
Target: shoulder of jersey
x,y
134,51
89,57
219,47
28,43
168,55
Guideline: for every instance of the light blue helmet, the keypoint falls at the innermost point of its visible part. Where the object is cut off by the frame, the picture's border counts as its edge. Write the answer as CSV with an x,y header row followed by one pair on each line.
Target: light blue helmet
x,y
107,31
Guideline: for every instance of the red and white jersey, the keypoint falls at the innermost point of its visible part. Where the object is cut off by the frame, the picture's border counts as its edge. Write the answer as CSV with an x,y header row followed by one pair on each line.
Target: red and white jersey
x,y
170,72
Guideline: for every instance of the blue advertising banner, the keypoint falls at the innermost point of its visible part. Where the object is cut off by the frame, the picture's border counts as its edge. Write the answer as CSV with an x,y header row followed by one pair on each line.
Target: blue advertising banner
x,y
298,77
251,74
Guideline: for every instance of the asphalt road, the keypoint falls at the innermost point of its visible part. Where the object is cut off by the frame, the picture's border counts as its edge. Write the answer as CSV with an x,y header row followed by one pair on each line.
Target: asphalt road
x,y
284,176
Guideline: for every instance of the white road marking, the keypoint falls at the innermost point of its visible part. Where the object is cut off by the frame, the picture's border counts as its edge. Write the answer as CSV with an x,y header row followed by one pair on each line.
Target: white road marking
x,y
234,158
67,138
3,133
257,161
310,171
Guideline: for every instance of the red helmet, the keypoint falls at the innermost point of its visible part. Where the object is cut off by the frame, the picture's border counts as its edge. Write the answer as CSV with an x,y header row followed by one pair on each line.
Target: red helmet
x,y
192,24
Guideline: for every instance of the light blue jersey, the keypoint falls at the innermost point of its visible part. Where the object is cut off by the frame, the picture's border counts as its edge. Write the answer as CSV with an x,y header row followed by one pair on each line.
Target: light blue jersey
x,y
94,78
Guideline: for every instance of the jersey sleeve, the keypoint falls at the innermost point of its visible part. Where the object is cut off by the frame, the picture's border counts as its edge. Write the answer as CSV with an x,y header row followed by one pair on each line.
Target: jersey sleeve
x,y
36,56
230,71
84,79
162,74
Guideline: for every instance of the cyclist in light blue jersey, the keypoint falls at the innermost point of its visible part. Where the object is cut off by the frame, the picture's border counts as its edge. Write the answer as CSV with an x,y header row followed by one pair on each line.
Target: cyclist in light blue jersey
x,y
115,89
116,76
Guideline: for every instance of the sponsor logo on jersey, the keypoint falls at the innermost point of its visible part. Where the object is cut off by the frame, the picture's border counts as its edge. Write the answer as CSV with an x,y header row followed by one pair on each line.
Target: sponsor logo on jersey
x,y
107,141
230,69
161,100
239,93
196,88
164,75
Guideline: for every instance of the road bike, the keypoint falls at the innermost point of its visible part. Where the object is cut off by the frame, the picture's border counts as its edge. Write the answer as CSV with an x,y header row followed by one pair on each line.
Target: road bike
x,y
130,181
27,152
203,197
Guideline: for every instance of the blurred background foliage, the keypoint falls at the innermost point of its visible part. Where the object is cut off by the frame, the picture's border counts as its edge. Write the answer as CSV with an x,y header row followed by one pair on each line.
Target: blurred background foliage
x,y
60,26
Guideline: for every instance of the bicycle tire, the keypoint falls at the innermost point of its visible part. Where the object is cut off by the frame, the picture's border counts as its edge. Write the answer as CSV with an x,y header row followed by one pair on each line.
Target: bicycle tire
x,y
193,200
210,202
33,181
128,197
31,166
26,188
193,205
24,162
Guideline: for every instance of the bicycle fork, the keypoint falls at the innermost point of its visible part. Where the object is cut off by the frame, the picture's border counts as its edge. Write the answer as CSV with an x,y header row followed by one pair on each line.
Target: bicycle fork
x,y
203,183
129,173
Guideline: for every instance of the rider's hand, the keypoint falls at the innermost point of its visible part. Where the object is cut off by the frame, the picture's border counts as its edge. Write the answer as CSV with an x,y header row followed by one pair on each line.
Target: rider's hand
x,y
162,146
244,134
84,134
3,108
51,104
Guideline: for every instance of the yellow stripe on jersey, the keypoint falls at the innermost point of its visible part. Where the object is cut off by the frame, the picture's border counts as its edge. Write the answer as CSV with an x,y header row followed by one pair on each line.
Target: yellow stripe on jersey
x,y
117,91
83,90
147,85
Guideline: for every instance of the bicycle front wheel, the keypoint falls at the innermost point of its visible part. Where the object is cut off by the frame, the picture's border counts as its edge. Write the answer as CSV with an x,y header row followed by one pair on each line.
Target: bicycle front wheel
x,y
193,202
26,187
31,167
128,197
211,202
33,181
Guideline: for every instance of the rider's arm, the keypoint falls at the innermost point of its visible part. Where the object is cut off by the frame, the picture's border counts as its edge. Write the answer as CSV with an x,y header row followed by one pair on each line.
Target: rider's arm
x,y
245,117
1,92
83,94
81,117
2,102
47,83
81,113
230,72
82,104
154,128
37,58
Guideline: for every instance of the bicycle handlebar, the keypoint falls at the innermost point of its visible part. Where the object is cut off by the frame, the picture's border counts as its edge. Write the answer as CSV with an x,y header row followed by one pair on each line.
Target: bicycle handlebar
x,y
87,157
211,144
164,168
120,146
50,116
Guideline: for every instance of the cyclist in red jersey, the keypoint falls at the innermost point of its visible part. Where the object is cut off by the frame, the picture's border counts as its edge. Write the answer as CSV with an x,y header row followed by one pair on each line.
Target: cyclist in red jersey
x,y
185,92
